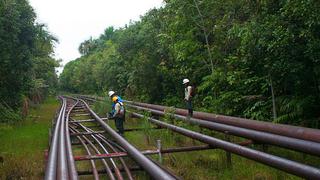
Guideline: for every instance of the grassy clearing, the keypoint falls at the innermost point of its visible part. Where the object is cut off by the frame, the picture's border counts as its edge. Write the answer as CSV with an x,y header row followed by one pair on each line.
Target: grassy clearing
x,y
23,145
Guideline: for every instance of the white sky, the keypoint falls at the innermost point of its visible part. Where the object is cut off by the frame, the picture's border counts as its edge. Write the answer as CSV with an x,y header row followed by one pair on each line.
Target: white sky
x,y
73,21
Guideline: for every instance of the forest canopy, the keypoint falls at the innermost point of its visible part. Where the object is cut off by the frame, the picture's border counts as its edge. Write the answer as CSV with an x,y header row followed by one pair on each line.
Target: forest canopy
x,y
254,59
27,67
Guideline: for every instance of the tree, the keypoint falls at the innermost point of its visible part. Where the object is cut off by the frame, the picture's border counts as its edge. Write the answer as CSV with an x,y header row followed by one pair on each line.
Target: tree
x,y
26,62
254,59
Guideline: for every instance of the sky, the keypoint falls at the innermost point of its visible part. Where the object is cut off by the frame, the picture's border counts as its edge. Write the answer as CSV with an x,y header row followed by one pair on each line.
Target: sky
x,y
73,21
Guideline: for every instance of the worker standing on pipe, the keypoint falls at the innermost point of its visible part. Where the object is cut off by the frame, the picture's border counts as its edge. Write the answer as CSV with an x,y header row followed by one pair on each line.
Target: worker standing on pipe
x,y
188,93
118,114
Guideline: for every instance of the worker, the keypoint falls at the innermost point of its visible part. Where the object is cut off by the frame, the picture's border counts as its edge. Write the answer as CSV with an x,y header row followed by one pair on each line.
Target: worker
x,y
118,114
112,94
188,93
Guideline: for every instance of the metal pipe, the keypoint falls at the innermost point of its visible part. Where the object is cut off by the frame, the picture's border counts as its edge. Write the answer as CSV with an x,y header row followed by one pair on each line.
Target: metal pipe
x,y
282,141
142,129
268,159
72,168
85,120
102,138
77,121
122,161
87,133
153,170
198,148
104,162
280,129
165,169
51,167
145,152
118,174
62,169
93,165
83,173
150,152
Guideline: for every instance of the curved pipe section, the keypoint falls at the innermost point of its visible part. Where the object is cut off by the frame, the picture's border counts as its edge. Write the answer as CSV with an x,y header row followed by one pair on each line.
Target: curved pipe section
x,y
153,170
51,168
71,163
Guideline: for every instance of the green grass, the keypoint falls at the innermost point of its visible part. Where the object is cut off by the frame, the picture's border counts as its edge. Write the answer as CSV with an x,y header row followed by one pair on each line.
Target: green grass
x,y
23,145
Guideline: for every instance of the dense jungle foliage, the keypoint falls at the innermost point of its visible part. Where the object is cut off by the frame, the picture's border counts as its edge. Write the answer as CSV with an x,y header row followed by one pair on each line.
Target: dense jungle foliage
x,y
27,68
257,59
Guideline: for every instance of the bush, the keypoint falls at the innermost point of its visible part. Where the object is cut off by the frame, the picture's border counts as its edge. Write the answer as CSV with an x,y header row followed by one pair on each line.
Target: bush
x,y
8,115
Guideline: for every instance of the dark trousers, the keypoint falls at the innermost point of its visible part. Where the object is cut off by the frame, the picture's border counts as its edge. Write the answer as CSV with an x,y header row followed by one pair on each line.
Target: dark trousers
x,y
119,125
189,107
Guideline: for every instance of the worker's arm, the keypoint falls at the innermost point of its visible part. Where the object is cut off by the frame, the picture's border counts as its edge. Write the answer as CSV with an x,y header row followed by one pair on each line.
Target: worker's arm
x,y
116,109
111,114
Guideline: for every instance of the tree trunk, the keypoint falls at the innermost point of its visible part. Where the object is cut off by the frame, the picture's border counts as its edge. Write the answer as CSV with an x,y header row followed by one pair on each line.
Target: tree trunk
x,y
273,101
205,34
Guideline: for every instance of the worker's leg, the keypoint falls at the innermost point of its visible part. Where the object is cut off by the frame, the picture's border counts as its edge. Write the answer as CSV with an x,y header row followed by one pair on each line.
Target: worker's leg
x,y
119,125
116,124
189,107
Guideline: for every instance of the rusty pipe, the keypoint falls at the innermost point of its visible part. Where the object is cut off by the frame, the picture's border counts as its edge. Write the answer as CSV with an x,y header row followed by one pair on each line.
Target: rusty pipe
x,y
153,170
124,165
93,165
282,141
292,167
280,129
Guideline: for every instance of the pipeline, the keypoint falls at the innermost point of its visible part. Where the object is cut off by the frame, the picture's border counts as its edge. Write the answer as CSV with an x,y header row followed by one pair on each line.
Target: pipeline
x,y
93,165
268,159
117,172
62,171
72,168
153,170
51,168
303,133
94,148
124,165
282,141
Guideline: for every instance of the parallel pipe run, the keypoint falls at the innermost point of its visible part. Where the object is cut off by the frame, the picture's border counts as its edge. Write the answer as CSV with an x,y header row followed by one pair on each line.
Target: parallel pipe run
x,y
87,133
62,171
94,148
282,141
151,152
280,129
153,170
118,174
124,165
93,165
73,175
83,173
268,159
51,167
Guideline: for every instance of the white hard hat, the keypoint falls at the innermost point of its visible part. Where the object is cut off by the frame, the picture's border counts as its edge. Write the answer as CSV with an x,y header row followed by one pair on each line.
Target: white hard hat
x,y
185,81
110,93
